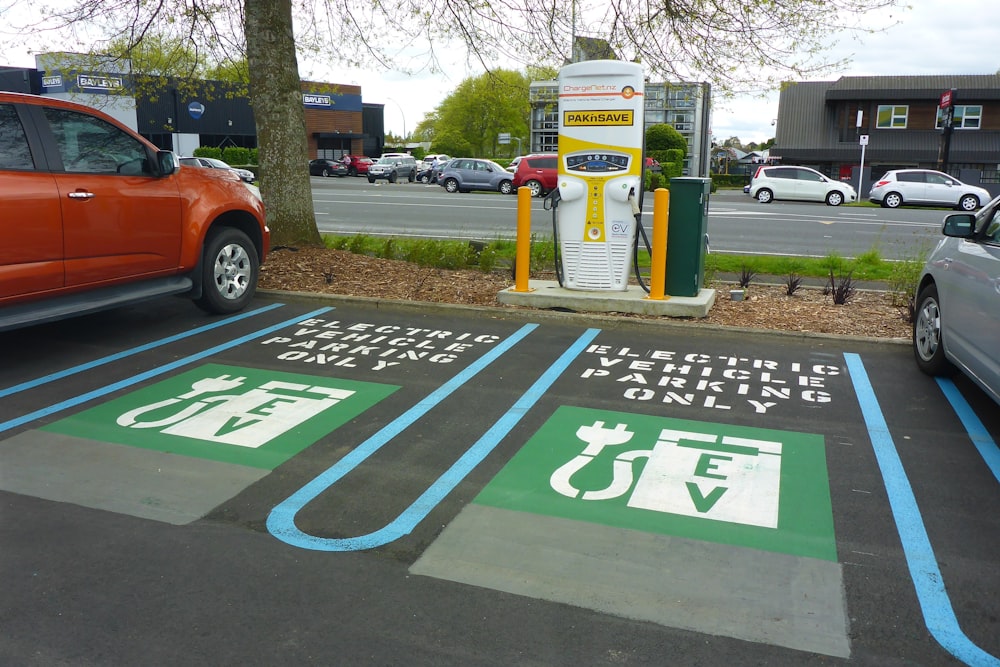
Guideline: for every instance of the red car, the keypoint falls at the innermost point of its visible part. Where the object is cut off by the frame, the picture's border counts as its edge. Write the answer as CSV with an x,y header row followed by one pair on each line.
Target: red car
x,y
538,172
357,165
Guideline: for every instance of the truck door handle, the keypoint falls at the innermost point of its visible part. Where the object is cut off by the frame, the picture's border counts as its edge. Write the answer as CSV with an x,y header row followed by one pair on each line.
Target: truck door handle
x,y
81,195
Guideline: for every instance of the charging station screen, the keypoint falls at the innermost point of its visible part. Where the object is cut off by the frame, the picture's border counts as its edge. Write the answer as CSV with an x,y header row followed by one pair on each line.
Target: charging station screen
x,y
597,162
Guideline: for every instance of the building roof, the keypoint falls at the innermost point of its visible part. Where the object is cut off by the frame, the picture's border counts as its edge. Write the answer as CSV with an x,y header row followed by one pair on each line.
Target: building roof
x,y
888,88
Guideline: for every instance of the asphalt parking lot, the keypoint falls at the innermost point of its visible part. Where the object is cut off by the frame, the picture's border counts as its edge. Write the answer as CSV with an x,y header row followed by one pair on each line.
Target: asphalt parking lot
x,y
349,482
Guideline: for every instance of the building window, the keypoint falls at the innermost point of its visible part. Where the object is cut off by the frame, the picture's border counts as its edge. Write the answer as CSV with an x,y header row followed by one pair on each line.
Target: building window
x,y
967,117
891,117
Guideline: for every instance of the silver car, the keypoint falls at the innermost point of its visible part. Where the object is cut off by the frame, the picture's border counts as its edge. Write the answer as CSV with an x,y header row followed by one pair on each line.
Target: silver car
x,y
958,301
902,187
468,174
393,167
244,175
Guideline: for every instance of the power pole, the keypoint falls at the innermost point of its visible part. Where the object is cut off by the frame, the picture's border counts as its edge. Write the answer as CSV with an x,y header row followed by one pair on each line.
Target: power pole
x,y
947,105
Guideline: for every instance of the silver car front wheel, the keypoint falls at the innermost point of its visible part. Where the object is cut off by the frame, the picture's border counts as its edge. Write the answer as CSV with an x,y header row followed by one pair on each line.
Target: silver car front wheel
x,y
928,344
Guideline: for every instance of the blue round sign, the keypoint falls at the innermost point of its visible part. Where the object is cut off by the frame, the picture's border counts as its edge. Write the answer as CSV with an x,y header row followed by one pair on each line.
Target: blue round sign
x,y
196,109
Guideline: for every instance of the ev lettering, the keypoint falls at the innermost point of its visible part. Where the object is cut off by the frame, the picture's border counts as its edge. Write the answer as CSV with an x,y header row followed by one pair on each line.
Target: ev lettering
x,y
730,479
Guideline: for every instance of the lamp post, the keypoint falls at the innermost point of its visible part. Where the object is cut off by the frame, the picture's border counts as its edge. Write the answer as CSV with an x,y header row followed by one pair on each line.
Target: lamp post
x,y
402,115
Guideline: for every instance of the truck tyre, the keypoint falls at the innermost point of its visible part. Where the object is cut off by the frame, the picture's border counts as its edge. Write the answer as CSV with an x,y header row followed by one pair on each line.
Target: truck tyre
x,y
229,271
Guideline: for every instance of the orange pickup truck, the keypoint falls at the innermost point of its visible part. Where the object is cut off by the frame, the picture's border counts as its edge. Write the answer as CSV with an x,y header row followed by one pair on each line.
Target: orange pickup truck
x,y
94,216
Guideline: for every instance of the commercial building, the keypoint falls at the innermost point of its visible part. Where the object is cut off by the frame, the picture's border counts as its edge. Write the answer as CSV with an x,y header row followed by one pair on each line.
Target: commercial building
x,y
182,115
900,119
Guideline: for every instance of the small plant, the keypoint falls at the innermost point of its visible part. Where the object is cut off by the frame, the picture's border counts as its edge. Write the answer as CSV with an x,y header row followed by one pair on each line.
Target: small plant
x,y
792,283
843,289
747,274
388,249
833,262
487,260
903,277
357,244
868,264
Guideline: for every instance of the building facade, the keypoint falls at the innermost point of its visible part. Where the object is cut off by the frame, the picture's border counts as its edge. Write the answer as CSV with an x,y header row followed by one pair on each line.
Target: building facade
x,y
822,125
685,106
182,115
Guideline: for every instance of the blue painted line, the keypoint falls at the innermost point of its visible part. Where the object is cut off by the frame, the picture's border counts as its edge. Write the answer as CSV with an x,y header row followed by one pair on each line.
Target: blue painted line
x,y
977,432
31,384
159,370
939,616
281,521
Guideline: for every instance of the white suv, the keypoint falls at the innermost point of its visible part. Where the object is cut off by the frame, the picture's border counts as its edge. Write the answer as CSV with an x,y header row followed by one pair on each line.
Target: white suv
x,y
901,187
393,168
802,183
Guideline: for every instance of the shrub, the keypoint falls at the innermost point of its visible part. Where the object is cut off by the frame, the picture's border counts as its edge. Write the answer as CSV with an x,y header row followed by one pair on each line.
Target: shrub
x,y
235,155
843,289
747,274
792,284
208,151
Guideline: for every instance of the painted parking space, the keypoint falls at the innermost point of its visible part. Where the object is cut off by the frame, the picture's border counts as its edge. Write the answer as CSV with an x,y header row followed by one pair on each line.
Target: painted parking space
x,y
723,483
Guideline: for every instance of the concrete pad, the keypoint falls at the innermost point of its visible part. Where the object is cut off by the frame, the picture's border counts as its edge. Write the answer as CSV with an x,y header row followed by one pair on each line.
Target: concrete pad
x,y
548,294
717,589
127,480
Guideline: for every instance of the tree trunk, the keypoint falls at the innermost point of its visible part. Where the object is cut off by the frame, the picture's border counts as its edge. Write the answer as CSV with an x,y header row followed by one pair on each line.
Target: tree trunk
x,y
276,98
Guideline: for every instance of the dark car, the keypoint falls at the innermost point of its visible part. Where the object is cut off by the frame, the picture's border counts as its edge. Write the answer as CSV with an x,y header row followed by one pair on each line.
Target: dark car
x,y
327,168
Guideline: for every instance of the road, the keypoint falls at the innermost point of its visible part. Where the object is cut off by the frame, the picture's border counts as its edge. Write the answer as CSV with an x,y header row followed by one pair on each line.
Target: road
x,y
737,224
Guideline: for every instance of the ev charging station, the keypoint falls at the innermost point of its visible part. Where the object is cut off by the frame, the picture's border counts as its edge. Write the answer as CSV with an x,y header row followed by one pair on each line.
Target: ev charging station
x,y
601,135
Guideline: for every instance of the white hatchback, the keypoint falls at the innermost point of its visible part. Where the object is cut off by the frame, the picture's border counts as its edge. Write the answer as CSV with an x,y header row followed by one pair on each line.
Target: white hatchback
x,y
801,183
901,187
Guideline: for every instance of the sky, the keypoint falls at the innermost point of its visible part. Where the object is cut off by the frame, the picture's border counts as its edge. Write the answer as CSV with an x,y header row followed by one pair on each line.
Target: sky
x,y
933,37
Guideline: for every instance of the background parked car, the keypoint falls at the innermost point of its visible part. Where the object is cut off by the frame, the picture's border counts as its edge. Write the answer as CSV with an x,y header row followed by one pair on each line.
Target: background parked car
x,y
212,163
539,173
512,167
901,187
357,165
957,312
800,183
653,166
393,168
430,167
468,174
327,168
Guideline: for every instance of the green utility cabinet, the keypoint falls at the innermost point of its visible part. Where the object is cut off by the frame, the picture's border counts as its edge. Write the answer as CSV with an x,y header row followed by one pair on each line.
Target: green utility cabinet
x,y
687,235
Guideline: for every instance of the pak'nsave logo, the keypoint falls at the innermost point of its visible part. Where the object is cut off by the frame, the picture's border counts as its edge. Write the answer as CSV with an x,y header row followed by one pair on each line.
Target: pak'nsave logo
x,y
598,118
753,487
227,413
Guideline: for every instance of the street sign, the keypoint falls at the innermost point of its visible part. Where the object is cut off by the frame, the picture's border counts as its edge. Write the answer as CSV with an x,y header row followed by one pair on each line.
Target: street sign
x,y
503,138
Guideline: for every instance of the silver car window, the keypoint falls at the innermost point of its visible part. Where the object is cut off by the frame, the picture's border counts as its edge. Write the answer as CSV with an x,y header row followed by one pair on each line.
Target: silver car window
x,y
992,233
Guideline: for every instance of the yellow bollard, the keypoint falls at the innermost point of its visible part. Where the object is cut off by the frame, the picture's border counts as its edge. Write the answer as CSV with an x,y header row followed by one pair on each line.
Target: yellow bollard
x,y
522,263
658,255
